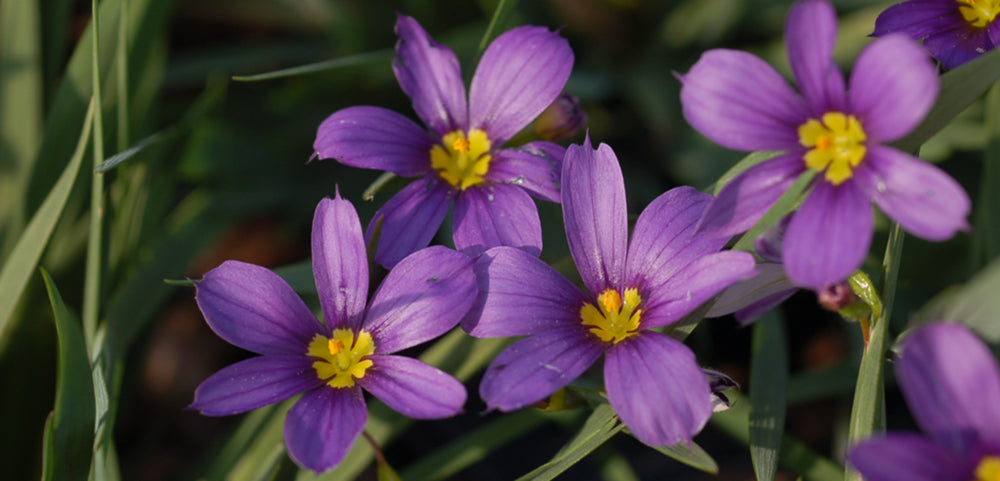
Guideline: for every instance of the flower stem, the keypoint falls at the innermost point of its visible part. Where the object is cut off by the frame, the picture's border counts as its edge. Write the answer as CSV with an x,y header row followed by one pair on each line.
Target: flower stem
x,y
379,457
92,282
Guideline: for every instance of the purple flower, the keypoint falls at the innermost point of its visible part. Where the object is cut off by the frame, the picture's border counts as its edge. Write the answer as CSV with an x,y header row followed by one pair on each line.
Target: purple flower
x,y
252,308
954,31
653,381
951,383
460,160
740,102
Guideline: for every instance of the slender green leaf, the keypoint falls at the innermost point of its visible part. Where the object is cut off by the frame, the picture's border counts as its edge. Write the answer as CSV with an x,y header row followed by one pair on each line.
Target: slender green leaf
x,y
72,422
95,235
601,426
378,185
695,456
117,159
745,163
768,392
986,234
23,259
497,23
785,204
974,304
266,450
239,443
377,56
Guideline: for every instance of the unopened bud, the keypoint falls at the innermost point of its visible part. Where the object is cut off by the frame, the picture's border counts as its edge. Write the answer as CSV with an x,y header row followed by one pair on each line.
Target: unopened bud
x,y
836,297
561,119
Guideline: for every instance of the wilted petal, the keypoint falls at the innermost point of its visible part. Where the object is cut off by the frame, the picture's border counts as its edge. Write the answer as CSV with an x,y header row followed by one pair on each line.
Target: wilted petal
x,y
414,388
898,456
925,200
429,73
520,74
375,138
752,297
739,101
253,383
810,34
321,427
535,166
340,263
829,236
893,86
424,296
593,201
746,198
410,219
496,215
254,309
667,300
532,369
508,306
657,388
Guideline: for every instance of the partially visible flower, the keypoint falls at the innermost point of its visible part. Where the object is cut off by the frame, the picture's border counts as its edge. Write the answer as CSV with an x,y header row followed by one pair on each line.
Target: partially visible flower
x,y
252,308
460,160
653,381
954,31
562,119
740,102
718,384
951,382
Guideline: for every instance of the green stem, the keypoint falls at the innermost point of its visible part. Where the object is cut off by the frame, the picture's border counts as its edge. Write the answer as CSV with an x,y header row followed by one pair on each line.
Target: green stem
x,y
123,126
92,283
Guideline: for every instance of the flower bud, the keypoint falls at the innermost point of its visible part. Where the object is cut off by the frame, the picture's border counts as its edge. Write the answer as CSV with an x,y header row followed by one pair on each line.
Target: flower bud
x,y
561,119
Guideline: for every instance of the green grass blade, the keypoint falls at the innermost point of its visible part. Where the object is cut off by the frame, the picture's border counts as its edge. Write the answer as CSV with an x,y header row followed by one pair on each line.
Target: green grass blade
x,y
349,61
986,232
72,421
24,257
768,393
95,237
122,76
601,426
499,20
696,456
785,204
126,154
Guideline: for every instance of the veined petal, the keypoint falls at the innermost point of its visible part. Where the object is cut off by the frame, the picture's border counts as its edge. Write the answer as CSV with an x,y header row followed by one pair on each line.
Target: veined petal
x,y
908,456
593,201
532,369
893,86
955,47
496,215
925,200
520,74
952,385
746,198
919,18
739,101
535,166
254,309
671,298
508,306
754,296
322,426
429,73
424,296
410,219
375,138
255,382
829,236
413,388
657,388
340,263
810,34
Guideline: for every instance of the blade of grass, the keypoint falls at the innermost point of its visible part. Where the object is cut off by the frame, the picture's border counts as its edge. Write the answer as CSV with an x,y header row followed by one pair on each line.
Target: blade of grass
x,y
986,233
95,237
349,61
695,456
601,426
122,72
497,22
768,393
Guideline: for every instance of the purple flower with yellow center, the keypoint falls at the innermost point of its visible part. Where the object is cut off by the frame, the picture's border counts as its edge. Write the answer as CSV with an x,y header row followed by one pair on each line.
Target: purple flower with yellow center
x,y
460,161
954,31
252,308
653,381
952,385
740,102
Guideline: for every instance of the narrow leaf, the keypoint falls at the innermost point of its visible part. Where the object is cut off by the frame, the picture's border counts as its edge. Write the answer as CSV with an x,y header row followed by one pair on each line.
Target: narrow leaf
x,y
785,204
986,232
695,456
117,159
349,61
601,426
497,23
768,392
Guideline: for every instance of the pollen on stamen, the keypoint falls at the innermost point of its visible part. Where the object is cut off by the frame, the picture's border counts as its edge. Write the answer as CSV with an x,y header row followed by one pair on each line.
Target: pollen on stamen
x,y
461,145
335,346
824,142
611,300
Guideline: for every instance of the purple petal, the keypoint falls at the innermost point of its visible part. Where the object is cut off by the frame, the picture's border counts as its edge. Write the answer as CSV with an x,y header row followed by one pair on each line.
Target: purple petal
x,y
520,74
535,166
596,220
919,18
322,426
410,219
810,34
925,200
509,306
414,388
668,299
340,263
893,86
424,296
952,385
429,73
909,456
829,236
746,198
375,138
253,383
657,388
955,47
754,296
254,309
739,101
496,215
532,369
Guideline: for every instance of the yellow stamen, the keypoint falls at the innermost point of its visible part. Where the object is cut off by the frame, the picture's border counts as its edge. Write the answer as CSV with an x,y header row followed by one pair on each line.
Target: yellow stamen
x,y
988,469
616,319
837,145
979,13
462,161
338,364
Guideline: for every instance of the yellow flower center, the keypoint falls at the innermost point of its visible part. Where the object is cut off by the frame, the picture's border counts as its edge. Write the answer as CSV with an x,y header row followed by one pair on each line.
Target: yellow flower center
x,y
979,13
837,145
613,320
462,161
988,469
342,357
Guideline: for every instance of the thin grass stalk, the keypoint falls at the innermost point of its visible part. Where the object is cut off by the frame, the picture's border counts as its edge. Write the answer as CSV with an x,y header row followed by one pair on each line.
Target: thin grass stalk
x,y
92,280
